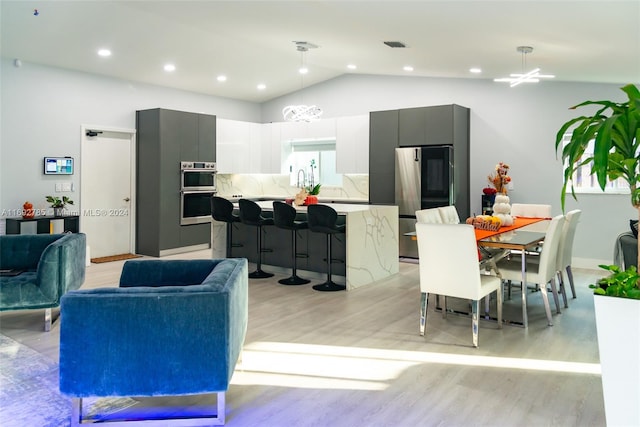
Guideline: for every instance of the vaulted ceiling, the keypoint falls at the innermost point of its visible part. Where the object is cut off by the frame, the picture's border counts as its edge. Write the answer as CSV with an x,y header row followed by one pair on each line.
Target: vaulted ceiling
x,y
251,42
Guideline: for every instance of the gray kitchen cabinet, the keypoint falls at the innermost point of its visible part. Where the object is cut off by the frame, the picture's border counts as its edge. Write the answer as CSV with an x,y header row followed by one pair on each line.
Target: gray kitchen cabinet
x,y
383,140
411,127
164,139
277,242
434,125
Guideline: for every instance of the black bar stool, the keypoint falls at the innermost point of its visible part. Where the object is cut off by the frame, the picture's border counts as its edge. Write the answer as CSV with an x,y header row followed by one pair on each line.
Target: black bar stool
x,y
323,219
284,216
251,214
222,210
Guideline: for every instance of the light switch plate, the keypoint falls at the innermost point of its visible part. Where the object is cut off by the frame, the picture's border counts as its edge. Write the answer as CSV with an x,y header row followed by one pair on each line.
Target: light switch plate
x,y
58,187
66,186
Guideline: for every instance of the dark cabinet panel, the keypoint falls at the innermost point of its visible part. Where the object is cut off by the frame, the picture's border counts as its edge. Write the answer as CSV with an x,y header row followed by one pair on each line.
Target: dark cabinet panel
x,y
426,126
434,125
382,187
278,242
438,123
412,127
164,139
383,140
194,234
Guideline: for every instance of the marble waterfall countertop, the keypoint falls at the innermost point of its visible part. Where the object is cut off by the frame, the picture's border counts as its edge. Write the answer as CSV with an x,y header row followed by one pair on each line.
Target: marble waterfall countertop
x,y
371,237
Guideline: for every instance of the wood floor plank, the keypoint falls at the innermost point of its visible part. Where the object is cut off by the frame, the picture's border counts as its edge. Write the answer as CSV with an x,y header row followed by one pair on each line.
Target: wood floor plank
x,y
356,359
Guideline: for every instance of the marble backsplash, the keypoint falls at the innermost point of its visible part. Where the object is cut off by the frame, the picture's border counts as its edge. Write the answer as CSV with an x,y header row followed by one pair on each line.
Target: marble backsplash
x,y
354,187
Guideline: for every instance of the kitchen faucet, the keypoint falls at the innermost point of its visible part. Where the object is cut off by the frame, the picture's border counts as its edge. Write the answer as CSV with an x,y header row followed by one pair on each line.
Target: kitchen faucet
x,y
304,178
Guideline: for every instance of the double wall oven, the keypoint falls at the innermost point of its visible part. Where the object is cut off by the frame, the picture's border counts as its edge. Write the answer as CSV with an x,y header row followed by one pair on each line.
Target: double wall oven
x,y
198,184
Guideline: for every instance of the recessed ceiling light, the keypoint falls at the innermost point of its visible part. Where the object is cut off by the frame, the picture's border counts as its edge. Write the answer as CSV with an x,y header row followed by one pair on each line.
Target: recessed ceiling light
x,y
262,86
303,70
475,70
222,78
104,52
169,67
352,66
408,68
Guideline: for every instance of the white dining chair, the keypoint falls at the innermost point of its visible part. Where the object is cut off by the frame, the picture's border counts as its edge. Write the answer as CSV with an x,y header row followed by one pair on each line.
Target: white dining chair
x,y
449,214
539,270
429,216
449,266
565,253
530,210
565,250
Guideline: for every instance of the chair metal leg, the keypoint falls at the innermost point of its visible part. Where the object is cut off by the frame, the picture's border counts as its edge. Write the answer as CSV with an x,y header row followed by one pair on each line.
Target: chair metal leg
x,y
76,411
294,279
229,240
424,302
554,291
474,321
47,319
499,298
547,308
444,307
563,288
329,285
214,416
570,275
487,302
259,273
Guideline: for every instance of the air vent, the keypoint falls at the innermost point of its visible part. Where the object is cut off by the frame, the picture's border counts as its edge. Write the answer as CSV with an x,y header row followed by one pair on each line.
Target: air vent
x,y
395,44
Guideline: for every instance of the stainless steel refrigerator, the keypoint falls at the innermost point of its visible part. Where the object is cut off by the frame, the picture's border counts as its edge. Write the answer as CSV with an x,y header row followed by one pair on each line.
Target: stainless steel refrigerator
x,y
424,179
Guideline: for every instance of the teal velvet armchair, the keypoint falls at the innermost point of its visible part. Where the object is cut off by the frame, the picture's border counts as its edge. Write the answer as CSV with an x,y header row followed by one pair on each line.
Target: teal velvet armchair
x,y
172,327
49,266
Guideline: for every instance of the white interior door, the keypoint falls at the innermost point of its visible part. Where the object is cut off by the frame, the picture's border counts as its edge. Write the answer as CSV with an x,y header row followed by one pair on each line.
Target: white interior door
x,y
107,191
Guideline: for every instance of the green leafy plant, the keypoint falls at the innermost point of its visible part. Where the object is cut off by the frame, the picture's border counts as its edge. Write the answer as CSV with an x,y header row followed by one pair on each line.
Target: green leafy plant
x,y
57,202
615,131
620,283
313,190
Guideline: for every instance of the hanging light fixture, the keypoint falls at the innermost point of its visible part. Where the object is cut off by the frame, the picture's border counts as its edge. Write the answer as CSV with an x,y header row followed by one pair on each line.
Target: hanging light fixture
x,y
532,76
302,113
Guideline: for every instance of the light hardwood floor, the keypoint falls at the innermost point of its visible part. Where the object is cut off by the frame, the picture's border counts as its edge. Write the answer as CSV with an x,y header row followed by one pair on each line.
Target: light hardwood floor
x,y
356,359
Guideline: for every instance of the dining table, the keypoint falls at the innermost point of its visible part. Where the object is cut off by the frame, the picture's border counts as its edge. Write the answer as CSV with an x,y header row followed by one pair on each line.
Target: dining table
x,y
521,236
524,235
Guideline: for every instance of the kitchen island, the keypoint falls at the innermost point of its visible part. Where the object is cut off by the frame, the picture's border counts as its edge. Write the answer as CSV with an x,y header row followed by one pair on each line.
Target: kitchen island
x,y
369,247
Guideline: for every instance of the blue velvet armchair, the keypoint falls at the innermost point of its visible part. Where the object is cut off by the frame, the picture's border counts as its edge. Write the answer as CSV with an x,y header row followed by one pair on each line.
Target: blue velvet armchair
x,y
171,328
49,266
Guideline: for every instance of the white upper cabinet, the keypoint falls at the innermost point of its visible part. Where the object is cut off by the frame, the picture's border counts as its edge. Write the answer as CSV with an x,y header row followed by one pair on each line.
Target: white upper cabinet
x,y
271,148
237,148
352,144
299,131
246,147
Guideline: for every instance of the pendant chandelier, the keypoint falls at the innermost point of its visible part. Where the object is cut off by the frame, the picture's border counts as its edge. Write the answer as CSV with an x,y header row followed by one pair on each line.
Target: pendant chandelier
x,y
302,112
532,76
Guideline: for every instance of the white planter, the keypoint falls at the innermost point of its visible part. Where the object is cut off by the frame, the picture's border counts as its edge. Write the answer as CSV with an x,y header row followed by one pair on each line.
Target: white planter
x,y
618,326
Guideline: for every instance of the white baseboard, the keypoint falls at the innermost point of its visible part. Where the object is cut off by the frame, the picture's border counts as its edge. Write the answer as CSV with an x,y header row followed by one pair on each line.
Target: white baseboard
x,y
589,263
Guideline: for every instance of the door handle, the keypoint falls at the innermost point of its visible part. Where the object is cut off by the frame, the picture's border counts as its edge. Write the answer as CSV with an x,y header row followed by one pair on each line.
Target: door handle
x,y
126,199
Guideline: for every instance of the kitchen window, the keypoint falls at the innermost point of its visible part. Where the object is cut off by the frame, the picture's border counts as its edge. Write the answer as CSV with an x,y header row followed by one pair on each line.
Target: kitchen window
x,y
584,182
313,162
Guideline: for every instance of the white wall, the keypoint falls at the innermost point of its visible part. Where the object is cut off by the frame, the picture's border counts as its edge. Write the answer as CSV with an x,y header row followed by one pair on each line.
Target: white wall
x,y
514,125
42,109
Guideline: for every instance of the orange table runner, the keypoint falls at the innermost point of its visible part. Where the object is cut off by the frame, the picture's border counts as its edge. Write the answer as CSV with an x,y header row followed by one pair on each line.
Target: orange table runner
x,y
518,222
